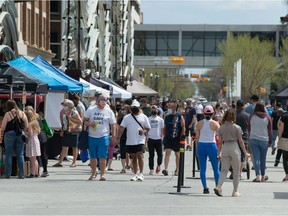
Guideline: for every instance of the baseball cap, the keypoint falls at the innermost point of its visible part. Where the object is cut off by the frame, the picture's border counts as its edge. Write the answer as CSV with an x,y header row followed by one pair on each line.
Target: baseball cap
x,y
135,103
240,103
97,93
208,109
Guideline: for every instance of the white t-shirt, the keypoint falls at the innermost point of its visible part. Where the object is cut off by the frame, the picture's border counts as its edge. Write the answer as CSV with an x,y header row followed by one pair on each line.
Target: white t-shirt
x,y
103,118
133,137
157,124
199,108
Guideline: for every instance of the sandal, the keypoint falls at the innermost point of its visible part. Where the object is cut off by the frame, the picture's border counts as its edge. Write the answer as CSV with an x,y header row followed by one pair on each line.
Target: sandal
x,y
102,179
264,179
73,165
110,169
256,180
123,171
236,194
57,165
92,177
218,192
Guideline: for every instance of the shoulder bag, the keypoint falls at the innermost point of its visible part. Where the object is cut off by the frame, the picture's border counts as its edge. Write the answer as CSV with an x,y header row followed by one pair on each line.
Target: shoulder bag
x,y
83,139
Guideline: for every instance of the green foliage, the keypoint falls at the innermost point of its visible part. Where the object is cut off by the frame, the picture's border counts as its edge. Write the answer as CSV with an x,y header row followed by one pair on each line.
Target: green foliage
x,y
258,61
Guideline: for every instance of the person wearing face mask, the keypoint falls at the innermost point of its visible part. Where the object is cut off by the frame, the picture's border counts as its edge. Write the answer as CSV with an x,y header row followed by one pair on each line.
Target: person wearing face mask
x,y
155,136
206,130
100,119
174,131
137,125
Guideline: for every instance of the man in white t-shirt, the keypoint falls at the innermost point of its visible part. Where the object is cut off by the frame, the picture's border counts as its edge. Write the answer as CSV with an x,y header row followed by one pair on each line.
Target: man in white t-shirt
x,y
99,119
199,111
137,128
155,136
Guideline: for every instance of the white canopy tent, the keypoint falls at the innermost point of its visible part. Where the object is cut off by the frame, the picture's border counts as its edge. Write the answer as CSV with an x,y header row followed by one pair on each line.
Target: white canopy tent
x,y
93,89
117,92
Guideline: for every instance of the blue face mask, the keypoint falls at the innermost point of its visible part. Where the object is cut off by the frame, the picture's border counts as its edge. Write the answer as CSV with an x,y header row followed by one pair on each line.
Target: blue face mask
x,y
169,111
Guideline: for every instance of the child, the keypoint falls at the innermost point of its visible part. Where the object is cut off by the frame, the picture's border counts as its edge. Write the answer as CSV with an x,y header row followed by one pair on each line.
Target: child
x,y
33,144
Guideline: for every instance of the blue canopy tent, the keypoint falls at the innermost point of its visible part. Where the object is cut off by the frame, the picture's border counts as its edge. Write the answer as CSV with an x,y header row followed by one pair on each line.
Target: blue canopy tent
x,y
43,64
55,82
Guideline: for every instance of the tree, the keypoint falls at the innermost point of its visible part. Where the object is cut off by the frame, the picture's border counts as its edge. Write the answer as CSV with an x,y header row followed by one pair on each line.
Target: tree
x,y
258,61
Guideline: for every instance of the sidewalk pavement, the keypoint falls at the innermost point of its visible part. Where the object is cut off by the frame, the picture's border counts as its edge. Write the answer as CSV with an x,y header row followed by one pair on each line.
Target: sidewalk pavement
x,y
68,192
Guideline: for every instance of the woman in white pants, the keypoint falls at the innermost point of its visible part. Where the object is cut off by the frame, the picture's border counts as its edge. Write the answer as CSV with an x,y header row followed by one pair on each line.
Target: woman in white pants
x,y
228,151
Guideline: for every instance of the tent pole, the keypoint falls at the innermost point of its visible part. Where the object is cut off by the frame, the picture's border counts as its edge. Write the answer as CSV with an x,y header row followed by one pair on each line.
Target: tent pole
x,y
35,102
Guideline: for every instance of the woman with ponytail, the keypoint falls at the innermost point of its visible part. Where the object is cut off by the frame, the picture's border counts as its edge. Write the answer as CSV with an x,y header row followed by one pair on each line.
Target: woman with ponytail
x,y
205,134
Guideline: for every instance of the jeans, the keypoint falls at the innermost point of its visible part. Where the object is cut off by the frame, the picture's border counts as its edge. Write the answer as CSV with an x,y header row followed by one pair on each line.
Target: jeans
x,y
13,143
210,150
274,136
259,150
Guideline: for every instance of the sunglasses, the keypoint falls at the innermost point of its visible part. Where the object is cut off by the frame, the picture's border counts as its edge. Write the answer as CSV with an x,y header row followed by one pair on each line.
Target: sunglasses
x,y
103,100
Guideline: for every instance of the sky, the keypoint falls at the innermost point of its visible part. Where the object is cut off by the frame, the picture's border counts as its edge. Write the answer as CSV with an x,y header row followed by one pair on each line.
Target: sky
x,y
213,11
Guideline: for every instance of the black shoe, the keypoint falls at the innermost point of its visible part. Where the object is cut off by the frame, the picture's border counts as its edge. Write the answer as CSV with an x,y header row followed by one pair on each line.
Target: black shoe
x,y
231,176
273,151
206,191
164,172
20,177
276,163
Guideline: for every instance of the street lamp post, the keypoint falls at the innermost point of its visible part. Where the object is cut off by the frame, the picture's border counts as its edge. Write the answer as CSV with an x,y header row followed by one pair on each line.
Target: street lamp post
x,y
151,80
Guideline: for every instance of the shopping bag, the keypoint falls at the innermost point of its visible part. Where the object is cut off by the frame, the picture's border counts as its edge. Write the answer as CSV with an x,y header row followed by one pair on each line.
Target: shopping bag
x,y
84,155
47,129
83,140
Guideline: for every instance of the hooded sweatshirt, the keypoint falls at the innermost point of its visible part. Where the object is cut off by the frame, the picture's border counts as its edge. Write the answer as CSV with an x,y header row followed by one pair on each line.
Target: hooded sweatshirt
x,y
260,127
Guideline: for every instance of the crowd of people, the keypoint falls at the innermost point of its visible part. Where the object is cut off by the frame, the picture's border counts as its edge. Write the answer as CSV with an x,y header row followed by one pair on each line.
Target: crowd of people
x,y
228,136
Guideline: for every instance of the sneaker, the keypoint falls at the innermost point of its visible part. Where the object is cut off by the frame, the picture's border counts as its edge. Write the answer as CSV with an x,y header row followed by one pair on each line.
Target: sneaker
x,y
241,178
44,174
158,169
276,163
134,178
273,151
140,177
151,172
127,167
176,173
57,165
206,191
164,172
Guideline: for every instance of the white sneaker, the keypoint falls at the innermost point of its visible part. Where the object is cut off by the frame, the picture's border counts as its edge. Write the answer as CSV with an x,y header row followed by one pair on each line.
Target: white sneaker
x,y
135,178
140,177
151,172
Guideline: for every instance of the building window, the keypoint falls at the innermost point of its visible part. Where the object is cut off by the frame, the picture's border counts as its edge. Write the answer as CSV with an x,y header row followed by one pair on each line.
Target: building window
x,y
55,6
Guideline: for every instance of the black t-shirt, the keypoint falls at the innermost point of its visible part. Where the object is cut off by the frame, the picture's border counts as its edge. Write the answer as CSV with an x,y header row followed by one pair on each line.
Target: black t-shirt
x,y
284,119
242,119
276,114
189,113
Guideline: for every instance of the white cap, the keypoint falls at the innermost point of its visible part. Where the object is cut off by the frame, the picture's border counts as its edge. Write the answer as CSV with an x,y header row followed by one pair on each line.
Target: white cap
x,y
135,103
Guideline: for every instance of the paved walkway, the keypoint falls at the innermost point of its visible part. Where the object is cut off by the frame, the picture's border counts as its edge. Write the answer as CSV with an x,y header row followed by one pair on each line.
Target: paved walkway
x,y
68,192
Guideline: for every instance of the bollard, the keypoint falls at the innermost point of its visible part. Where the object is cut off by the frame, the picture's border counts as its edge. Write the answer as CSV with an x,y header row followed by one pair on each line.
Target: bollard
x,y
181,165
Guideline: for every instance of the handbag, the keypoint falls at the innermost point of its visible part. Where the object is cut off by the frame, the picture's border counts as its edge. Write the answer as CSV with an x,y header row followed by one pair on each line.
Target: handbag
x,y
47,129
84,155
283,144
83,139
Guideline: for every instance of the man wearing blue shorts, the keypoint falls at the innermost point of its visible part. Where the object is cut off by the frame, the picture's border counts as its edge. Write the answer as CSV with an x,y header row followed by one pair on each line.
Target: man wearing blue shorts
x,y
99,119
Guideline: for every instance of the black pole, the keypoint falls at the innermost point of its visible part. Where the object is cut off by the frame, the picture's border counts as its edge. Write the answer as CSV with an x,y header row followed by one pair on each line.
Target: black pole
x,y
194,159
181,165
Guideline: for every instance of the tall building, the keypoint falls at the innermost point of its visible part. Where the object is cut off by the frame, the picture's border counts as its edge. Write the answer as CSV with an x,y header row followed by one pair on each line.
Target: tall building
x,y
33,25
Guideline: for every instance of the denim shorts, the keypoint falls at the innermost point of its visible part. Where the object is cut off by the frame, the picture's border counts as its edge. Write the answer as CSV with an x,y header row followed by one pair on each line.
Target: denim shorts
x,y
98,147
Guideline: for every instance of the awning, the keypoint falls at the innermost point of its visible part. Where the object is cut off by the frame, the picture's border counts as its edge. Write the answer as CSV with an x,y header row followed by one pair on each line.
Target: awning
x,y
138,89
280,95
117,92
19,79
43,64
93,89
55,83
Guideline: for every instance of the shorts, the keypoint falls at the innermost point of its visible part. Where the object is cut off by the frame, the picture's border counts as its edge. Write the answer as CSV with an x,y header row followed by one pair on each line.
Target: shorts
x,y
189,131
173,144
132,149
98,147
70,140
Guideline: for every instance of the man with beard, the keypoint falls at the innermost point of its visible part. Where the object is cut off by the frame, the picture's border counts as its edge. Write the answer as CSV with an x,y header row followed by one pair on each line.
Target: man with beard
x,y
137,125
